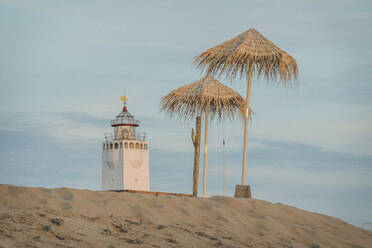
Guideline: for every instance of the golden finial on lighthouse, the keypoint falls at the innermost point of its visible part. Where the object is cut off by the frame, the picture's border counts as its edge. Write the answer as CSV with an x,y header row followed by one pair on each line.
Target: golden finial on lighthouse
x,y
123,97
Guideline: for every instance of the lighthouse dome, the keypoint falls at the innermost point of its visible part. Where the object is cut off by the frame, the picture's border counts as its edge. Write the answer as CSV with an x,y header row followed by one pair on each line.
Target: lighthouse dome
x,y
125,126
125,119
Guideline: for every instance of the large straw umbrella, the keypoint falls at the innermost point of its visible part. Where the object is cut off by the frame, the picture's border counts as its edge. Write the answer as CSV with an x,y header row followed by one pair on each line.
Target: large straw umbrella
x,y
207,96
241,56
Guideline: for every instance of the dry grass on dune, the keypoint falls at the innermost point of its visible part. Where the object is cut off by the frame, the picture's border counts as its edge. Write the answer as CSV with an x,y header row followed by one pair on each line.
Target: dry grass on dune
x,y
38,217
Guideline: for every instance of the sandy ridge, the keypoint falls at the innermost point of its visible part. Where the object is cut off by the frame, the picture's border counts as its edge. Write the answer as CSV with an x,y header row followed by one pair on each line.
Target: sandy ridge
x,y
63,217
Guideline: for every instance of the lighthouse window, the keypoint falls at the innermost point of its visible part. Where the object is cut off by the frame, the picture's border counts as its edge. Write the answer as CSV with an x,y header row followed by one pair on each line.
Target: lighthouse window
x,y
125,145
131,145
107,146
111,146
121,145
137,146
116,145
141,146
145,146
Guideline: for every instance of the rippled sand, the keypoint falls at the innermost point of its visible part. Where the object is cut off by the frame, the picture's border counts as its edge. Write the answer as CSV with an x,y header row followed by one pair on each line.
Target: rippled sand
x,y
63,217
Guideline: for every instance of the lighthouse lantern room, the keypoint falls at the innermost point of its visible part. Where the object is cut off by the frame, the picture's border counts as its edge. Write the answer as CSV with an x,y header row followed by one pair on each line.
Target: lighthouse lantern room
x,y
125,155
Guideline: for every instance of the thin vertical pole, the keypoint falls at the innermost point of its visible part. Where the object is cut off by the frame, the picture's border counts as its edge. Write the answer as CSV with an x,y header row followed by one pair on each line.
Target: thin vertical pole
x,y
224,168
247,100
205,152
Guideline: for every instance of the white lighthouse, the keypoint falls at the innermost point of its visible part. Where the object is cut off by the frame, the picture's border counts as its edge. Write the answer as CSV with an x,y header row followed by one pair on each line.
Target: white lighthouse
x,y
125,155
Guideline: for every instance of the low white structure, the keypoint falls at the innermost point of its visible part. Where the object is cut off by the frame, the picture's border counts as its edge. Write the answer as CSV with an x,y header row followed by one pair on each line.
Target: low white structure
x,y
125,155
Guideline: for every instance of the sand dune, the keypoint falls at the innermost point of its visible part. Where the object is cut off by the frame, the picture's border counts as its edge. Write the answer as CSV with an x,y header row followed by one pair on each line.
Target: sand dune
x,y
63,217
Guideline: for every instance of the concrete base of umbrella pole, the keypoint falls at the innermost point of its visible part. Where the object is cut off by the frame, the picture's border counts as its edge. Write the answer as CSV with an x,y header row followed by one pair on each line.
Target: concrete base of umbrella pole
x,y
243,191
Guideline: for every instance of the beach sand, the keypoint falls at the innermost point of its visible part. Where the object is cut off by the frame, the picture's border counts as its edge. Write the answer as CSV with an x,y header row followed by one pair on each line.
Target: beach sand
x,y
64,217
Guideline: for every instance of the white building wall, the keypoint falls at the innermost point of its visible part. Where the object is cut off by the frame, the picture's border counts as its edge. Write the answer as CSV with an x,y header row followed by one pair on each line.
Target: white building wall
x,y
126,167
136,169
112,169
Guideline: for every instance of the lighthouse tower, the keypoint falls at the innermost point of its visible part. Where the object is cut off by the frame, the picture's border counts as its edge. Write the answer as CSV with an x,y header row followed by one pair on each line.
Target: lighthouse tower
x,y
125,155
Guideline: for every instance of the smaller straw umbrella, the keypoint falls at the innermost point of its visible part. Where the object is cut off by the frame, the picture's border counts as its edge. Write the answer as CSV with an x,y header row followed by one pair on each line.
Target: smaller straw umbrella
x,y
207,96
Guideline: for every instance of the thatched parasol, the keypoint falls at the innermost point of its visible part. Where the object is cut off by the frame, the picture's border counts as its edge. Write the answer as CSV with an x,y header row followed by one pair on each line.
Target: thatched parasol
x,y
247,53
208,96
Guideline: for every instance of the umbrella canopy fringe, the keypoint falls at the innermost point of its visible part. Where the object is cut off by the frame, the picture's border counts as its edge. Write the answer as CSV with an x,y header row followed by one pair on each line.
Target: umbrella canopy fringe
x,y
235,56
193,99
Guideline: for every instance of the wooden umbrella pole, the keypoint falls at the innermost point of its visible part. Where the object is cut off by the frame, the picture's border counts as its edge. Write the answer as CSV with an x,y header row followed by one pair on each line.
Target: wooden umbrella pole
x,y
205,152
196,141
244,170
224,167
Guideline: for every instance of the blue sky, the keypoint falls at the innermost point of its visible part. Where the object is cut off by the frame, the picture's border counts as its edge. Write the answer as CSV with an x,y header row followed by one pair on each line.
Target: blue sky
x,y
64,65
